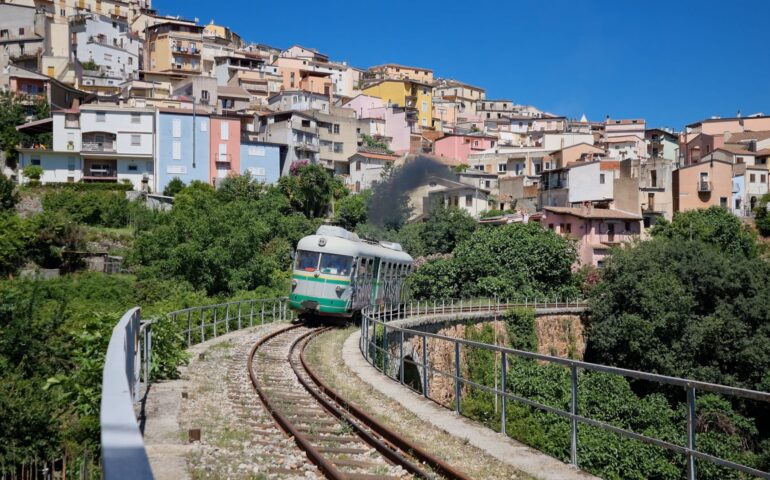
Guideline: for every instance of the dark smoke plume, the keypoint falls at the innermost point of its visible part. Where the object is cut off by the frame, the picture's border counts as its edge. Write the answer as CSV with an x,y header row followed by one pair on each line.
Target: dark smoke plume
x,y
389,205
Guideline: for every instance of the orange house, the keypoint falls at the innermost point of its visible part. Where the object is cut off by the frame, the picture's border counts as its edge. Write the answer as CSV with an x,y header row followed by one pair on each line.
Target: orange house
x,y
225,145
703,185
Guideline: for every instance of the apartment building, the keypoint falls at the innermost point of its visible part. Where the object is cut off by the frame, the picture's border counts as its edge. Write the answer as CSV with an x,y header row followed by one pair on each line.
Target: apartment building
x,y
173,46
578,184
703,137
96,143
410,94
299,131
32,87
249,72
339,132
466,95
106,51
344,78
460,147
662,144
298,100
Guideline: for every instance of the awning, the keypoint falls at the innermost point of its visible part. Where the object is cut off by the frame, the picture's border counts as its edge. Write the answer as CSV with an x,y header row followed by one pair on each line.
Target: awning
x,y
38,126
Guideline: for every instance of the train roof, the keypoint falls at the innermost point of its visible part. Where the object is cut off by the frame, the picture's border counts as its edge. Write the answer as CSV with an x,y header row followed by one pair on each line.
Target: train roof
x,y
338,240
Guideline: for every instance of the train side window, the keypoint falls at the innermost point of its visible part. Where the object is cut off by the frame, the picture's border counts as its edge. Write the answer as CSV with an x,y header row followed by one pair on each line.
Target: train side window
x,y
361,267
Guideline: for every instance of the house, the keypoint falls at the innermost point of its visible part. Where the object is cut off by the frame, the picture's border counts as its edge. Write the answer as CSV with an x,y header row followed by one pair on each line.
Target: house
x,y
445,189
183,146
596,230
366,168
579,184
581,152
34,87
387,122
263,161
394,71
644,186
248,71
96,143
339,133
522,191
410,94
173,46
109,50
232,99
662,144
224,147
463,94
461,146
701,138
299,131
298,51
344,78
703,185
755,186
298,75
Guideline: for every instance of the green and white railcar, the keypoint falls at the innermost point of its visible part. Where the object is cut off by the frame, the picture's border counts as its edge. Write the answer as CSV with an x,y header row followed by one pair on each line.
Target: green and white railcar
x,y
336,273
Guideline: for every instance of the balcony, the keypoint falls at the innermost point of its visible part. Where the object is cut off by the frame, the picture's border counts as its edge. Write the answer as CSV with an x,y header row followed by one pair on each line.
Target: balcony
x,y
185,50
704,186
108,147
308,147
100,171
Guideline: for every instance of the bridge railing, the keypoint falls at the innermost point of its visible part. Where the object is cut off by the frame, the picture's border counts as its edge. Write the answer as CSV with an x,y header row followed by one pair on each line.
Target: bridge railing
x,y
123,454
377,328
128,362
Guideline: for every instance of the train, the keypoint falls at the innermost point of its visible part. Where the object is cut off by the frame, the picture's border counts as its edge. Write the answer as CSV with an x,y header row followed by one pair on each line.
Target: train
x,y
336,274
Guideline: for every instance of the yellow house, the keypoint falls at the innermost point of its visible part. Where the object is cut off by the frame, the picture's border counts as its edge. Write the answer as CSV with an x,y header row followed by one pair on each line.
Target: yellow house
x,y
405,93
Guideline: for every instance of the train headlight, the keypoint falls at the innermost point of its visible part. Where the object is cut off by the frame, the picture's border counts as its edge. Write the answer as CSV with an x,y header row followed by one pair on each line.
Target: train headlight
x,y
339,290
293,284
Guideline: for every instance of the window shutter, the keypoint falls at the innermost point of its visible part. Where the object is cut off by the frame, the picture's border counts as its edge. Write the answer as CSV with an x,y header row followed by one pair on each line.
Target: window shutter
x,y
176,127
225,131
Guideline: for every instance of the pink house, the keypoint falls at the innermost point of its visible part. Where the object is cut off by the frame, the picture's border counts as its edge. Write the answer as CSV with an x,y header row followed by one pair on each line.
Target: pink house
x,y
595,229
460,146
385,121
225,145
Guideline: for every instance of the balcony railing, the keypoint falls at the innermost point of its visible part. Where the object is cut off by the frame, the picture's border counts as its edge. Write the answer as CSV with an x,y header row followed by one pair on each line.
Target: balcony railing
x,y
98,147
307,146
704,186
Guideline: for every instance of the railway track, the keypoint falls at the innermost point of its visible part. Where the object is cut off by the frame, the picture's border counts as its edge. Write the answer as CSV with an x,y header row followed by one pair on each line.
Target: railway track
x,y
341,440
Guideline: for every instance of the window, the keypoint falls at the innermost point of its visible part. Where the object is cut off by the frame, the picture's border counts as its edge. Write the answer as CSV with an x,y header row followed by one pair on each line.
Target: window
x,y
205,96
487,183
752,178
133,168
204,126
738,159
307,261
333,264
101,117
469,200
653,178
136,118
550,226
763,178
255,151
568,228
723,202
601,178
176,128
70,164
136,140
225,130
306,123
336,128
337,147
502,167
424,122
36,161
21,32
628,226
424,106
358,165
176,150
223,157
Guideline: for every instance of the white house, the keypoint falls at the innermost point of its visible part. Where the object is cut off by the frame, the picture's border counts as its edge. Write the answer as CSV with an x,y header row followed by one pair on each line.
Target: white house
x,y
97,143
366,168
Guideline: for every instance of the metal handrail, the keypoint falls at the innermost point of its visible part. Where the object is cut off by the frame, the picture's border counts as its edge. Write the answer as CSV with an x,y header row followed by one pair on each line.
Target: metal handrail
x,y
128,362
384,315
123,453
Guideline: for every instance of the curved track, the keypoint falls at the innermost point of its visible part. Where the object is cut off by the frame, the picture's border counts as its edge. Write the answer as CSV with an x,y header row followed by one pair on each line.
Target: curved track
x,y
341,440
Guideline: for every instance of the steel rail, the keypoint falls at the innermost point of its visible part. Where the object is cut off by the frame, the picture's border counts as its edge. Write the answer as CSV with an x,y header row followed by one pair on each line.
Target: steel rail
x,y
397,440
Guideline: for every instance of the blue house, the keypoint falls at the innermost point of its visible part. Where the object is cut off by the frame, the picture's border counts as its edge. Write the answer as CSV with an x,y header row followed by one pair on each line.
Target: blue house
x,y
182,151
263,160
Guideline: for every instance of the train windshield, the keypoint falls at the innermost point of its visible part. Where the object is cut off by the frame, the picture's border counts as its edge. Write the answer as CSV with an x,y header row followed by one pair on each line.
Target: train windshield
x,y
333,264
307,261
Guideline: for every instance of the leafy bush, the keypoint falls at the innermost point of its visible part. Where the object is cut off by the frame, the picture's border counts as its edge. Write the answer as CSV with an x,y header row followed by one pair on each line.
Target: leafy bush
x,y
762,216
33,172
100,208
14,237
351,211
83,187
174,186
446,228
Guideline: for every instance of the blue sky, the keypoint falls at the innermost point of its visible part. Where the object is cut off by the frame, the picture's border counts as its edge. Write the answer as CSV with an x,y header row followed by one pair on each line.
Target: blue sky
x,y
672,62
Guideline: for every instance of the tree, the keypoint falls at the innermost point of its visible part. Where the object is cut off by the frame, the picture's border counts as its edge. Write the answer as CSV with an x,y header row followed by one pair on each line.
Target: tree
x,y
12,114
351,210
714,225
8,195
762,216
174,186
310,190
14,237
446,228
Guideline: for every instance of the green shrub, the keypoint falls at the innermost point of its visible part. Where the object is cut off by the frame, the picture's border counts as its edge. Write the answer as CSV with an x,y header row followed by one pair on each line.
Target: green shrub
x,y
84,187
174,186
8,195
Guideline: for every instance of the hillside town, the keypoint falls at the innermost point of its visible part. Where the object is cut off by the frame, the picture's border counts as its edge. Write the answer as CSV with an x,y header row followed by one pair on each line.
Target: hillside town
x,y
142,98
